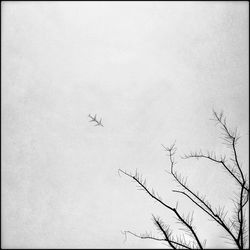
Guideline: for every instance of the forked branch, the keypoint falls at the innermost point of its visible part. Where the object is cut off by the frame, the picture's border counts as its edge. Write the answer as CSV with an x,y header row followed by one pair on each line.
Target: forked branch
x,y
195,197
234,227
174,210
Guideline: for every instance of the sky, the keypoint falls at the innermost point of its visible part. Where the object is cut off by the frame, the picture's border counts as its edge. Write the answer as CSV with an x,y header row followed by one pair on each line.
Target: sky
x,y
153,71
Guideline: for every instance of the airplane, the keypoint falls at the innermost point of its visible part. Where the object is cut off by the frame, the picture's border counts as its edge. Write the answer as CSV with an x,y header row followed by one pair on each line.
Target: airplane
x,y
93,119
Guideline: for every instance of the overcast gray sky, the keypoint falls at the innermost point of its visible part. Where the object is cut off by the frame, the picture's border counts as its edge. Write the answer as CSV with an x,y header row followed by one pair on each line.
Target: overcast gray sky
x,y
153,71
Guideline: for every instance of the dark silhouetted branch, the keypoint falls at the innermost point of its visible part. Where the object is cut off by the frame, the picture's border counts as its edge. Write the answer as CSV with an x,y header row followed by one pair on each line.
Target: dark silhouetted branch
x,y
235,227
209,157
140,182
204,205
149,237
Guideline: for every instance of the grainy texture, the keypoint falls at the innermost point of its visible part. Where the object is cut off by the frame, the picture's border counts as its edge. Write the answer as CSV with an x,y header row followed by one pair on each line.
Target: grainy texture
x,y
153,71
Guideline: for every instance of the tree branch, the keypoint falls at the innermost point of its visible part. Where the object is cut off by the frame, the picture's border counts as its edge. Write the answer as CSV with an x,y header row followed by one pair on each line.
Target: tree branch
x,y
235,227
209,157
165,205
231,138
145,237
171,150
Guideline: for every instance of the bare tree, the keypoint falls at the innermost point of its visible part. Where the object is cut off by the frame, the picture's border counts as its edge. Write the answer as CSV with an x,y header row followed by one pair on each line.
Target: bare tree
x,y
235,227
